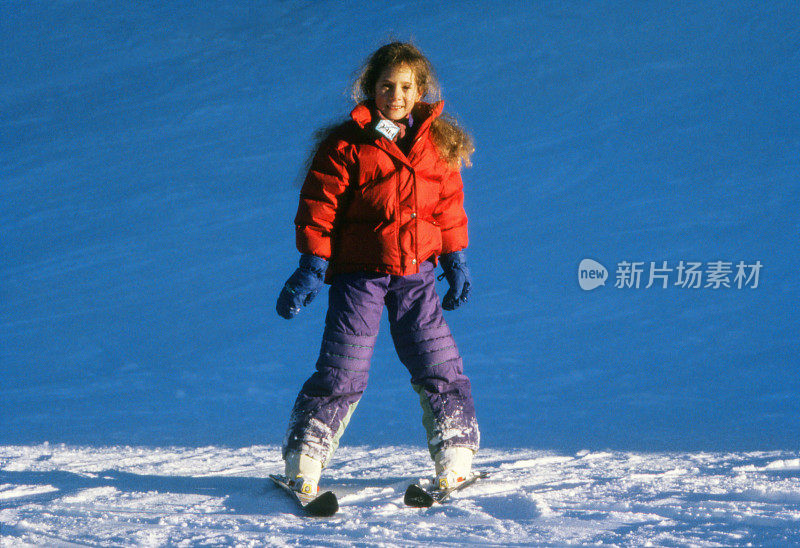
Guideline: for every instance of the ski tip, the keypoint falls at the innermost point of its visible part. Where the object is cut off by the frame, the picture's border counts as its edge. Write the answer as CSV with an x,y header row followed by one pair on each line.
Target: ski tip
x,y
323,506
417,497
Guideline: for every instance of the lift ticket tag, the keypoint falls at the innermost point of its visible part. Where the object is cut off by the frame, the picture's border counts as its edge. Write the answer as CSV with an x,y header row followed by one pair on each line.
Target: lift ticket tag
x,y
387,129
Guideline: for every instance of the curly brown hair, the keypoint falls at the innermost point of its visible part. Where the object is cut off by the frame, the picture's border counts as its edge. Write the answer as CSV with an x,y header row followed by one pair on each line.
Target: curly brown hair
x,y
453,142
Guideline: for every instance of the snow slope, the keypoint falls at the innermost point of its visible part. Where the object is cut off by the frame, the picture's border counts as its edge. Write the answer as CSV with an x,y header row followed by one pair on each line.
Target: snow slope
x,y
149,158
211,496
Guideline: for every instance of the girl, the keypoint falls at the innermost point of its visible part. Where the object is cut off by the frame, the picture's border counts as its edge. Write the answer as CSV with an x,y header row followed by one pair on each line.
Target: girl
x,y
381,204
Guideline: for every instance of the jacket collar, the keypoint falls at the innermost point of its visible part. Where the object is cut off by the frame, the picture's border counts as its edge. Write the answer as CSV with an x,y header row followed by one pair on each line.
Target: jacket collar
x,y
423,113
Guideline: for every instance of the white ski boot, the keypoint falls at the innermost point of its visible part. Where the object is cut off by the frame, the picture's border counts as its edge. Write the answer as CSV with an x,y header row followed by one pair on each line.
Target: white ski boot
x,y
302,473
453,466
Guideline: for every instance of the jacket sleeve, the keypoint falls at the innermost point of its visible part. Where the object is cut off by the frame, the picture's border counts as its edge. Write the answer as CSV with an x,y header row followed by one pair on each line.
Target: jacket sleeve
x,y
323,187
450,215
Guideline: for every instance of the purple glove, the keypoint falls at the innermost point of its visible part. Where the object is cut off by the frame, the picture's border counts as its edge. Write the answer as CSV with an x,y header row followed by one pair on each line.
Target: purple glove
x,y
455,270
301,288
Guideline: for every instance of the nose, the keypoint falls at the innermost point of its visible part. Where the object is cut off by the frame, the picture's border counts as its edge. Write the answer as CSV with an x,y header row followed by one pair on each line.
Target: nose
x,y
397,93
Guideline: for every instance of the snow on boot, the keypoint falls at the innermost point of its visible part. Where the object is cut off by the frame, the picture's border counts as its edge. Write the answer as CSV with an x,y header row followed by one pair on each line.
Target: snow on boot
x,y
302,473
453,466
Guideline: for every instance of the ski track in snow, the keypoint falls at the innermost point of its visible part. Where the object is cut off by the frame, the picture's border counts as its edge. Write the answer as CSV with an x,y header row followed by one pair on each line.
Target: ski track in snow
x,y
62,495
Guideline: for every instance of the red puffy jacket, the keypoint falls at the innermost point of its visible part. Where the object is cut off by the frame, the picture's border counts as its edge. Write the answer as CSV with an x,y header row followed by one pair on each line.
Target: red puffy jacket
x,y
365,205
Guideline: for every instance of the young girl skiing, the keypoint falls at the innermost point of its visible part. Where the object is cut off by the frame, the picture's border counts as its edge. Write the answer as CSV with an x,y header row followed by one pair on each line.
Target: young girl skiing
x,y
382,204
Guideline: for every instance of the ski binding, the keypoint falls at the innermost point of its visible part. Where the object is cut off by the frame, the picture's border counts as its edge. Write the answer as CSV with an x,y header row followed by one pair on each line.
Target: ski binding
x,y
323,505
419,497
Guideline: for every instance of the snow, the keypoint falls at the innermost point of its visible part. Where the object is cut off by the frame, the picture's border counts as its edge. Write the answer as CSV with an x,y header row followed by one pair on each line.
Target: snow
x,y
121,495
149,158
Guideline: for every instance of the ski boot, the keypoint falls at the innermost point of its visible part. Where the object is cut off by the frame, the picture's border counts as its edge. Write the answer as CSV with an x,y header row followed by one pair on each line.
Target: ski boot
x,y
302,473
453,467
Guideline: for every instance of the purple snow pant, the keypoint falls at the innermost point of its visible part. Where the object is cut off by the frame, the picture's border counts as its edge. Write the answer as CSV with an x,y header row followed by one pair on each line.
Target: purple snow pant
x,y
423,342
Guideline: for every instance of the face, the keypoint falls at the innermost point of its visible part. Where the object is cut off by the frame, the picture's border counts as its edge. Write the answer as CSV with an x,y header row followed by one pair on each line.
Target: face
x,y
396,92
